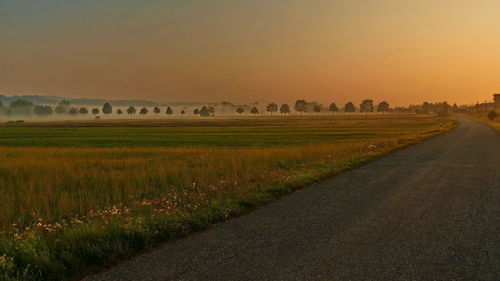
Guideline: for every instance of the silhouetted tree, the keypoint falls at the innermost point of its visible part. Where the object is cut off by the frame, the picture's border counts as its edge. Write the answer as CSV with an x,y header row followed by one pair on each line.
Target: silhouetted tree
x,y
317,109
131,110
240,110
333,108
285,109
383,107
272,107
119,112
107,109
95,111
349,108
204,112
43,110
196,112
157,110
143,111
83,111
300,106
73,111
366,106
254,110
169,111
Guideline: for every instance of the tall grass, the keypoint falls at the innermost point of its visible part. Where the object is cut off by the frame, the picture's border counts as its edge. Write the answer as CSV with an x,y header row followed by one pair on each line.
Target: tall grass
x,y
66,210
53,184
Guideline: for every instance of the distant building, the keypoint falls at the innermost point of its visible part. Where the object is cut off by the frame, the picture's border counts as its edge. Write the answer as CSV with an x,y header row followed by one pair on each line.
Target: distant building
x,y
496,101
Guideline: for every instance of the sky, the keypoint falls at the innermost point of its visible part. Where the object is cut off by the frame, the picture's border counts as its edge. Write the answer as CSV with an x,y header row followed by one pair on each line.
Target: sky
x,y
252,50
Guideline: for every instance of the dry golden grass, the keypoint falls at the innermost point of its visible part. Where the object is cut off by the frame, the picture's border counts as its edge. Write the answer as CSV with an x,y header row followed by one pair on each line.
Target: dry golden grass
x,y
59,183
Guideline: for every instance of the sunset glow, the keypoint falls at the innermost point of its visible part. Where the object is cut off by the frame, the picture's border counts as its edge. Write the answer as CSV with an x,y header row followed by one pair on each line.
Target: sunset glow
x,y
241,51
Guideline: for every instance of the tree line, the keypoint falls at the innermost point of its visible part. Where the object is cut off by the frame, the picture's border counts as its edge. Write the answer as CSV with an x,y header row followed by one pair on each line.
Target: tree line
x,y
300,107
23,107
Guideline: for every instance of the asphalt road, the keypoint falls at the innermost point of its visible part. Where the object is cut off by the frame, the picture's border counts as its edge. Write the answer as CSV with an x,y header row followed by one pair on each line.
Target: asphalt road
x,y
428,212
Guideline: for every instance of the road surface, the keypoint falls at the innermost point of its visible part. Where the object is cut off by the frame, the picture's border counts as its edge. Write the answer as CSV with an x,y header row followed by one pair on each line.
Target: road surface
x,y
428,212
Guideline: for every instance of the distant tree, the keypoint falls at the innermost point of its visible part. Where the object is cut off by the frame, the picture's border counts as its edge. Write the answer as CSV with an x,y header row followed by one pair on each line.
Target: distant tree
x,y
366,106
62,107
284,109
95,111
240,110
3,110
83,111
317,109
73,111
211,109
254,110
107,109
65,103
119,112
21,103
455,107
169,111
333,108
131,110
144,111
272,107
383,107
43,110
204,112
300,106
349,108
492,115
157,110
196,112
21,106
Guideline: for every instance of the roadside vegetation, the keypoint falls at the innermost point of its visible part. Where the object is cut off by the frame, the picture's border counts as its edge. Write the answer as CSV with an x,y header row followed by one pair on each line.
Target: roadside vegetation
x,y
492,118
75,199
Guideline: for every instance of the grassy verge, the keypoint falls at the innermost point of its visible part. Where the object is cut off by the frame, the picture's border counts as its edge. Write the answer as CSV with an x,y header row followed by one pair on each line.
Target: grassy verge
x,y
68,211
482,117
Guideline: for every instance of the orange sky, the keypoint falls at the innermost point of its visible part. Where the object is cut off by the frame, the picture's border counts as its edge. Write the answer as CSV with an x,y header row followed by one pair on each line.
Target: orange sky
x,y
241,51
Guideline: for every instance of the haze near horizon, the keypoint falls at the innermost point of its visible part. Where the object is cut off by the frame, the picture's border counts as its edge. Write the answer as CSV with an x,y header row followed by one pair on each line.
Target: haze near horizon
x,y
400,51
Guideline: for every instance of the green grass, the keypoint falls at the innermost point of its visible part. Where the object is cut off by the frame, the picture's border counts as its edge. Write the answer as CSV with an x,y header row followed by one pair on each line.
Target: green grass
x,y
77,197
220,133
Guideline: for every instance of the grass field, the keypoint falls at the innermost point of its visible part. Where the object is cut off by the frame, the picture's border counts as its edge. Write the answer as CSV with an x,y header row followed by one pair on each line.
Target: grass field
x,y
259,132
76,197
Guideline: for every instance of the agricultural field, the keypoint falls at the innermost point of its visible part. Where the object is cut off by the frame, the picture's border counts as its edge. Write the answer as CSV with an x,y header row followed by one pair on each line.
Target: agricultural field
x,y
78,196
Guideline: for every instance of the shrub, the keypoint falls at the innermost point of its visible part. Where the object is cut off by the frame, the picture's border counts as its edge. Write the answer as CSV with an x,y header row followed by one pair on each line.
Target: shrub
x,y
492,115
